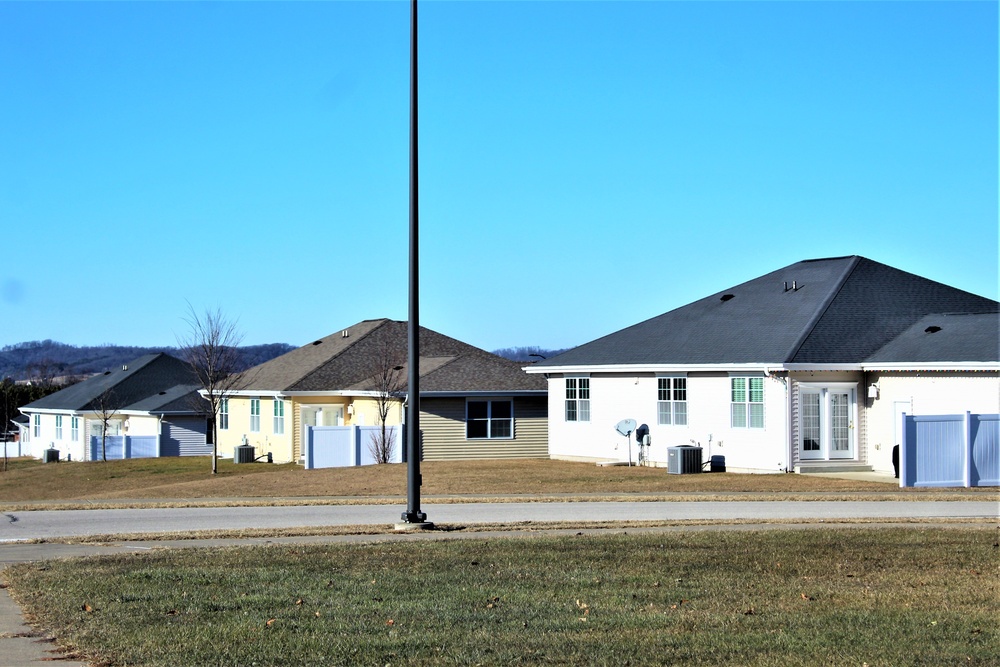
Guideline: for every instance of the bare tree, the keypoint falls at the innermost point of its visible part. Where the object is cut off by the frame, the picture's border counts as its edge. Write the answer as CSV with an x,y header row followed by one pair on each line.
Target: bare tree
x,y
387,382
5,386
212,349
106,406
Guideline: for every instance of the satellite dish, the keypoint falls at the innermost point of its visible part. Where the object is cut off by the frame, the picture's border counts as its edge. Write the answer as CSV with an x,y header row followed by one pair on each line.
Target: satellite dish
x,y
625,427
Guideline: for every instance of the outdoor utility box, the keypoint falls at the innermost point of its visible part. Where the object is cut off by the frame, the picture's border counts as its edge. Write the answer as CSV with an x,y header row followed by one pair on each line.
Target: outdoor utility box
x,y
717,463
683,460
51,456
243,454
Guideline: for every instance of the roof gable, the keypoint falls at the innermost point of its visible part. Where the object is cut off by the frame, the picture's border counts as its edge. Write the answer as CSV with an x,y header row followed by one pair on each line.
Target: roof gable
x,y
349,363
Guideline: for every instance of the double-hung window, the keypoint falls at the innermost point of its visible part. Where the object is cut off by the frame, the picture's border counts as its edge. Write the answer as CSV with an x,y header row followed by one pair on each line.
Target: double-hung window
x,y
74,429
254,415
59,431
671,401
279,416
578,399
489,419
224,414
747,407
36,421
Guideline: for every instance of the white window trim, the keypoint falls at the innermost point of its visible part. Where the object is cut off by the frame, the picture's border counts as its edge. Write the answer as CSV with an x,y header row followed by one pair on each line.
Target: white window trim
x,y
279,416
489,418
747,403
581,406
36,425
674,403
223,414
74,428
255,415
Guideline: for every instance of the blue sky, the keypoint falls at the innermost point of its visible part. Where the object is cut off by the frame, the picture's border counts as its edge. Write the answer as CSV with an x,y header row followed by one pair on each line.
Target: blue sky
x,y
584,165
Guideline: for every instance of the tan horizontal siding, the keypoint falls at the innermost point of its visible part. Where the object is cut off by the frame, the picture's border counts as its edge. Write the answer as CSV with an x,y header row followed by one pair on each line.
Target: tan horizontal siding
x,y
442,421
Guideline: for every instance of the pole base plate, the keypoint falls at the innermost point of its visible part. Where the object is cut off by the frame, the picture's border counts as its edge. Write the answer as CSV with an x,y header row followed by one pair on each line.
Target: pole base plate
x,y
410,527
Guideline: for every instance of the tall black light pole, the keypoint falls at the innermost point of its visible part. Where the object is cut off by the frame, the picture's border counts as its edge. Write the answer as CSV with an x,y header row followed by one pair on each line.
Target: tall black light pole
x,y
413,515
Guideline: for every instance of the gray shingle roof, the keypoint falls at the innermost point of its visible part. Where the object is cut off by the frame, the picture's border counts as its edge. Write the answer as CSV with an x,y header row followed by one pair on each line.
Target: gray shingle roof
x,y
835,310
345,363
139,380
944,338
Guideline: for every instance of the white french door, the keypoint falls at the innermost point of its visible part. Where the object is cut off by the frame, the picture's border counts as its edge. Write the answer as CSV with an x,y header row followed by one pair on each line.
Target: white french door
x,y
827,414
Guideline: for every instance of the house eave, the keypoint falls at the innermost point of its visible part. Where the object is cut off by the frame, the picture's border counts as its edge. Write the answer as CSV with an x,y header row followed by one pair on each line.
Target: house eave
x,y
658,368
494,392
823,367
978,366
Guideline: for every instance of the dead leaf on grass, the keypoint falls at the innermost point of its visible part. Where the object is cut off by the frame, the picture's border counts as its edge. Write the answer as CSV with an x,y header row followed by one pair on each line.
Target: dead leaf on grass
x,y
807,597
87,608
270,622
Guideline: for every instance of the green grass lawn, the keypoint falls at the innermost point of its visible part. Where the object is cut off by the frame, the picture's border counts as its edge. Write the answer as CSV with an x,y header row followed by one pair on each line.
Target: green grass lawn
x,y
799,597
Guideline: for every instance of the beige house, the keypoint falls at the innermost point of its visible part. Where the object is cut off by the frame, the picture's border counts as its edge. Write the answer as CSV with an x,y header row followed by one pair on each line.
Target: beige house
x,y
473,404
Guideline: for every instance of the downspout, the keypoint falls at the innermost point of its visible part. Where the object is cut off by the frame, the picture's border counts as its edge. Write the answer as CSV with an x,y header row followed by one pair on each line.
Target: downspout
x,y
788,415
788,425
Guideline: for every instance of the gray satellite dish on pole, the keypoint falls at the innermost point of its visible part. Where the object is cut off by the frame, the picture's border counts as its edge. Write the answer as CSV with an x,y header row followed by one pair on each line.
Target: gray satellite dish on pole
x,y
626,427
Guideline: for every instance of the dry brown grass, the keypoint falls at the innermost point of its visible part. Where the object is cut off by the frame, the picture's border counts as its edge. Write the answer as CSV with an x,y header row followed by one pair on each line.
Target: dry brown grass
x,y
183,479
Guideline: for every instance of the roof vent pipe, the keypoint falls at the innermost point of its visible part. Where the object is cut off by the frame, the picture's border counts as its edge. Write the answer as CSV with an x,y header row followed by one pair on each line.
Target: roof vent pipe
x,y
344,333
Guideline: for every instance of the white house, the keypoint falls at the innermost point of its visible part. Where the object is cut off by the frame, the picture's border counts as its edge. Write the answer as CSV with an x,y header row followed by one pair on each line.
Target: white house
x,y
151,404
805,368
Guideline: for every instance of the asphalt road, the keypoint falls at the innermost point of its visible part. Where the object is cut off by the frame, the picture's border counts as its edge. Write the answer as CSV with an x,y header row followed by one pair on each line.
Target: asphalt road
x,y
50,524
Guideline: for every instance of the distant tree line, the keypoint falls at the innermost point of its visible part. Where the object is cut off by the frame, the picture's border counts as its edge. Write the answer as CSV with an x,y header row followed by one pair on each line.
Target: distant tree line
x,y
527,353
44,361
13,396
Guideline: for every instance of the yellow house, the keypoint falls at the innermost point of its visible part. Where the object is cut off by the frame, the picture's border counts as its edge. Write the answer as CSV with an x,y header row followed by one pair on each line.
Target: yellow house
x,y
473,404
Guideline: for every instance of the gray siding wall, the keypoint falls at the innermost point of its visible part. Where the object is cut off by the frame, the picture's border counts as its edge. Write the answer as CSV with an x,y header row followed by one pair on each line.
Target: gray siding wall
x,y
184,436
442,423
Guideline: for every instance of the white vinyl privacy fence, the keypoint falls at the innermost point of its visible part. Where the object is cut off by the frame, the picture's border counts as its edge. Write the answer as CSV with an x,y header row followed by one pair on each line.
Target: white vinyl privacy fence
x,y
344,446
950,450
